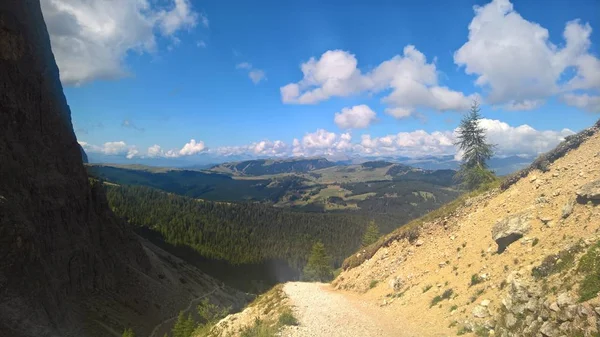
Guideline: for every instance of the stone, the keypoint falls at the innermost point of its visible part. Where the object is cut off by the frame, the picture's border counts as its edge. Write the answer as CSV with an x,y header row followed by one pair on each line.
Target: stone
x,y
568,208
554,307
549,329
396,283
589,192
485,303
564,299
533,179
597,310
480,312
510,320
510,229
419,243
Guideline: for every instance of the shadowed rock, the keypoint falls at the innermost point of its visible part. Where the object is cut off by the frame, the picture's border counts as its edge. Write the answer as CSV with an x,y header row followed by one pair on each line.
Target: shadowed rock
x,y
509,230
589,192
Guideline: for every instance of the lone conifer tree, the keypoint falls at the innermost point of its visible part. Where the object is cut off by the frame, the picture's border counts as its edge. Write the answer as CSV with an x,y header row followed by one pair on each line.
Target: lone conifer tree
x,y
318,267
476,150
371,234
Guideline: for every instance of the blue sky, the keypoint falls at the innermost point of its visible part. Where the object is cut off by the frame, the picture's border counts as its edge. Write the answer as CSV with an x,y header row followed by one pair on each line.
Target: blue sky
x,y
143,81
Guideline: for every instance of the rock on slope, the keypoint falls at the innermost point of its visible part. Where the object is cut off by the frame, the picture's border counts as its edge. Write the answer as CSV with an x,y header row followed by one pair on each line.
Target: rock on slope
x,y
67,266
513,261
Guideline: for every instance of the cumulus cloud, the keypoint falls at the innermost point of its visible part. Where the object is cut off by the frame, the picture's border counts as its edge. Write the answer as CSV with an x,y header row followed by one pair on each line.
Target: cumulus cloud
x,y
412,80
111,148
583,101
522,139
356,117
192,148
264,148
515,60
91,38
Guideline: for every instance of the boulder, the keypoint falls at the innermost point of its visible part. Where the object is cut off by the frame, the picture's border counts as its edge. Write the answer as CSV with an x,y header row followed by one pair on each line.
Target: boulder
x,y
589,192
510,229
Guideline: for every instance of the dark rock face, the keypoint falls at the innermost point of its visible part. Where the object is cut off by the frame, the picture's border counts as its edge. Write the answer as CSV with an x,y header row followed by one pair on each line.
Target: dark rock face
x,y
58,238
68,267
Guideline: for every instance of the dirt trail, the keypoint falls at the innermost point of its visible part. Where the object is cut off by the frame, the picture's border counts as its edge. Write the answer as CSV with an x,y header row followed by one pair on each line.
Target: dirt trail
x,y
327,313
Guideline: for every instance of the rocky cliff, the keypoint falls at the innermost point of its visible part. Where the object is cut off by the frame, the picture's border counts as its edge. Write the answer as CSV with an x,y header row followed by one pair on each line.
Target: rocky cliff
x,y
68,267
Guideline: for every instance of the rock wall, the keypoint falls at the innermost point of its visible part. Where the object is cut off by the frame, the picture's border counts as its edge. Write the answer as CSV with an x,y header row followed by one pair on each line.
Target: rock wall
x,y
68,267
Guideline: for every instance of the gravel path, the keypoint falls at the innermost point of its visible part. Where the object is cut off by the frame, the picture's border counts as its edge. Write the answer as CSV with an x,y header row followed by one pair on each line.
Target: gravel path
x,y
325,313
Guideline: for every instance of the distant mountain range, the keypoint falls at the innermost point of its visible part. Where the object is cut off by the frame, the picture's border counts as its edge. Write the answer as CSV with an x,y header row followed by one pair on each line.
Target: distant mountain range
x,y
243,165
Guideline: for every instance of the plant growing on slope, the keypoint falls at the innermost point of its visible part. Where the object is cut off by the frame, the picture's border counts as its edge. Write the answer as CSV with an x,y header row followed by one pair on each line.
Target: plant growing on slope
x,y
128,333
319,266
371,234
476,151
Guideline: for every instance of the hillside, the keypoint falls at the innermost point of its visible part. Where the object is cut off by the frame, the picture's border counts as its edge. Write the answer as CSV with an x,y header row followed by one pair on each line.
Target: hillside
x,y
69,267
520,260
260,167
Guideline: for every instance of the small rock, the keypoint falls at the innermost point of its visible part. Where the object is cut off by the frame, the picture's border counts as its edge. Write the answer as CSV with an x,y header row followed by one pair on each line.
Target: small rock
x,y
395,283
534,178
554,307
597,310
564,300
548,329
510,320
419,243
568,208
480,311
485,303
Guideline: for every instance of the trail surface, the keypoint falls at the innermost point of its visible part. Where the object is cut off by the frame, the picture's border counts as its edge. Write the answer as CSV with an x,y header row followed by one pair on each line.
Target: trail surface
x,y
326,313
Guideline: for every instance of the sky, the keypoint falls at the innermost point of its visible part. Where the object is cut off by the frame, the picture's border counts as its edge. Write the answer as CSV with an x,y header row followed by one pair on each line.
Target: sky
x,y
189,79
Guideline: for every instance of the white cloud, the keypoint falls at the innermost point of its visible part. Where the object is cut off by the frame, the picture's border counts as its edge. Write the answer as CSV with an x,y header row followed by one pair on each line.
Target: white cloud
x,y
583,101
264,148
91,38
522,139
256,75
192,148
201,44
413,82
155,151
117,148
515,60
356,117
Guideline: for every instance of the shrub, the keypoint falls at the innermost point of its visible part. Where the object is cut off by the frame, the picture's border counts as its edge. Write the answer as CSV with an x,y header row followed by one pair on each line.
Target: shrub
x,y
287,318
476,279
444,296
589,266
426,288
373,284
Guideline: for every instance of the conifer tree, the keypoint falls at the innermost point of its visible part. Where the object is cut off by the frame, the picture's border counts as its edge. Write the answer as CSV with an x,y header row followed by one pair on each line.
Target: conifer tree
x,y
319,266
471,140
371,234
184,327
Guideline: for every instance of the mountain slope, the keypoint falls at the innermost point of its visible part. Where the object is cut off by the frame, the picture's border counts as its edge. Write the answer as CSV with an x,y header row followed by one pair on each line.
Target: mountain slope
x,y
456,254
259,167
68,266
